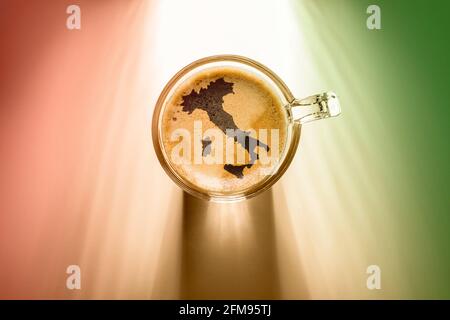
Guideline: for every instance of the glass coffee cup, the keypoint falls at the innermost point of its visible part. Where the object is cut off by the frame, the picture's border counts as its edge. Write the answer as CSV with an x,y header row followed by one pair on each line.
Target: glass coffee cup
x,y
226,128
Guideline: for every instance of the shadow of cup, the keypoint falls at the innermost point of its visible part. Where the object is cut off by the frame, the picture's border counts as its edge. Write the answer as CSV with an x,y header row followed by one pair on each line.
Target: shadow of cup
x,y
228,249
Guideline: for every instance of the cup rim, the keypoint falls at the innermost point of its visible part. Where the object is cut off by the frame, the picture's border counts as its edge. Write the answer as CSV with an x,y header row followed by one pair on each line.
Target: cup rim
x,y
190,187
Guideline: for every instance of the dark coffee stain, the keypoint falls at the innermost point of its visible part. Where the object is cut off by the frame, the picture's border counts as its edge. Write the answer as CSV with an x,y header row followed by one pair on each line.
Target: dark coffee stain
x,y
206,146
238,171
210,99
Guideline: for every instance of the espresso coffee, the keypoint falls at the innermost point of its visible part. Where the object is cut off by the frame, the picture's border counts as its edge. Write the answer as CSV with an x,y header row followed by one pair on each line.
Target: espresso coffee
x,y
224,130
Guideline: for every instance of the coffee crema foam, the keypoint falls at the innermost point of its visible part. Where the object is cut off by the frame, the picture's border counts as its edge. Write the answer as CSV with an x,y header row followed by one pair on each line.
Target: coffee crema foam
x,y
224,130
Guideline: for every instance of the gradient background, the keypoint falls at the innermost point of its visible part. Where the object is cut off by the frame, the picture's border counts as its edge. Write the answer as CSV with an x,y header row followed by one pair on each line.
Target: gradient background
x,y
80,182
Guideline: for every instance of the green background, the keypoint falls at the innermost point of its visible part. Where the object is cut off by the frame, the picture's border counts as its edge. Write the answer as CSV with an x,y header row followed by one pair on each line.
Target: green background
x,y
398,77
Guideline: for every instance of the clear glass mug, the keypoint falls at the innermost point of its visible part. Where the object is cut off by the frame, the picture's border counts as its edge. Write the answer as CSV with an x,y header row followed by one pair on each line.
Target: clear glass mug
x,y
298,112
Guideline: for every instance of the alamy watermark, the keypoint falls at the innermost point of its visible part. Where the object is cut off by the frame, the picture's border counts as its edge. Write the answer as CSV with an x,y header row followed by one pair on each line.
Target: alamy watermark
x,y
374,279
236,146
73,281
373,22
73,21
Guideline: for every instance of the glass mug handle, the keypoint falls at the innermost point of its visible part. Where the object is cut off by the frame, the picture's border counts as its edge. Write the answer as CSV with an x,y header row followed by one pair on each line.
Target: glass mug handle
x,y
319,106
